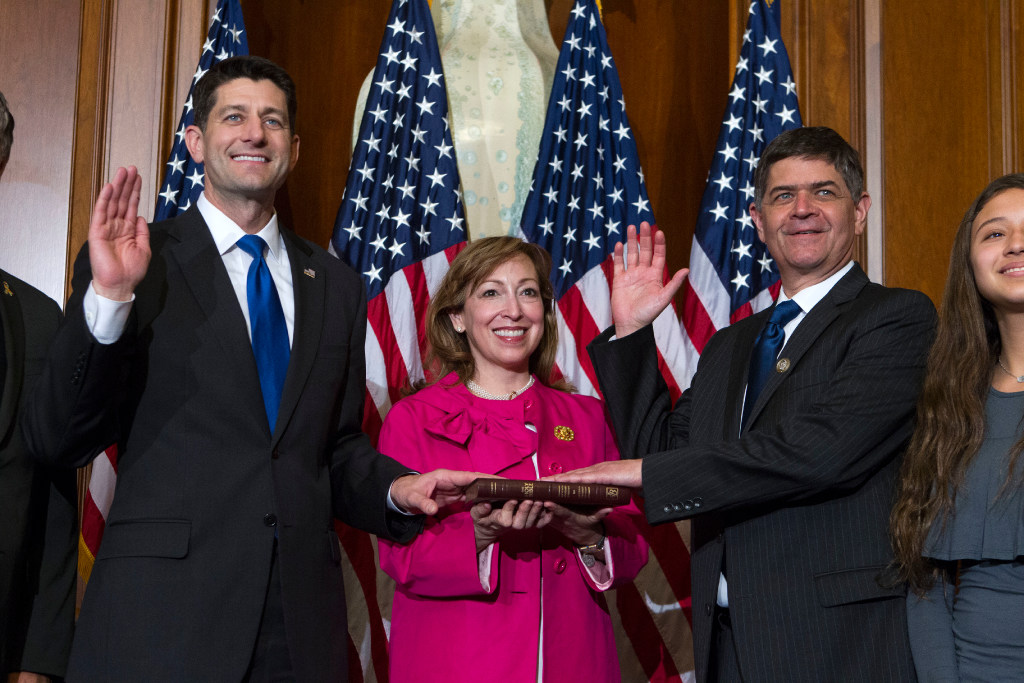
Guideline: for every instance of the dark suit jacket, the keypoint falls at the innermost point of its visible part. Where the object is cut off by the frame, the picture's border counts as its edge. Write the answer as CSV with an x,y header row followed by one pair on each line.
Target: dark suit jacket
x,y
799,503
203,485
37,504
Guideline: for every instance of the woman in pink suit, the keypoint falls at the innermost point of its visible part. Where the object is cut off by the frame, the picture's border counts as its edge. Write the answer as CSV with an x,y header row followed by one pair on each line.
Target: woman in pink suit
x,y
511,592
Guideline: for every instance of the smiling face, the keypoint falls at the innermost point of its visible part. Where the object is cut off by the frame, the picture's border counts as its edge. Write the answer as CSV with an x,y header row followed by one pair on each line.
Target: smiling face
x,y
997,252
808,220
247,146
503,319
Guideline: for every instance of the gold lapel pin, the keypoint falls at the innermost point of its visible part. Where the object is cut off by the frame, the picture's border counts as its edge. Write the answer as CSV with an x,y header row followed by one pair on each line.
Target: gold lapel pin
x,y
563,433
7,289
310,273
782,365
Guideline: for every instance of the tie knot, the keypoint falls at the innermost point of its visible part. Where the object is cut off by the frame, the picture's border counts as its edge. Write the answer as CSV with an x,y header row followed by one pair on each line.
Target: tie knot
x,y
252,245
785,312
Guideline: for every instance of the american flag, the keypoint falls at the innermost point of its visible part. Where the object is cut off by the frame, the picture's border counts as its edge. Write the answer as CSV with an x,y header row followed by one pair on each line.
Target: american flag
x,y
400,224
226,38
731,273
587,188
183,180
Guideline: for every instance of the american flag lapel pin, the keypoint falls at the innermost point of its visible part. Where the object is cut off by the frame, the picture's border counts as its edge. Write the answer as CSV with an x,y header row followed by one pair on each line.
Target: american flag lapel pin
x,y
310,273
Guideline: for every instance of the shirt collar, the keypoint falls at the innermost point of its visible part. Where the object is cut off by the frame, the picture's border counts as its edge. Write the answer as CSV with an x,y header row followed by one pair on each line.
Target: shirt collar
x,y
226,232
808,297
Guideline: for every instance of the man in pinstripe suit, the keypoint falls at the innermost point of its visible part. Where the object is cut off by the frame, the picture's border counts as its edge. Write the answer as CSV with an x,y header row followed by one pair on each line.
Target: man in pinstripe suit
x,y
789,497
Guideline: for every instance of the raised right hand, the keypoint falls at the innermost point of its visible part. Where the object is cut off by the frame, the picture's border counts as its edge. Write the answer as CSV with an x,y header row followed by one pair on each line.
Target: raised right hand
x,y
118,237
639,294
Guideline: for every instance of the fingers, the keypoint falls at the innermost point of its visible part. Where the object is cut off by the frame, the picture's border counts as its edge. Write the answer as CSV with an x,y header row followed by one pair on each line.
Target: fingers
x,y
130,183
645,247
133,196
618,262
99,212
632,248
480,511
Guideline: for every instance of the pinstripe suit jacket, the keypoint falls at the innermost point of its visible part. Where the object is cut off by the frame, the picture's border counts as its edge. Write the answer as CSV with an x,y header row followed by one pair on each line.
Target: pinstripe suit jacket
x,y
797,504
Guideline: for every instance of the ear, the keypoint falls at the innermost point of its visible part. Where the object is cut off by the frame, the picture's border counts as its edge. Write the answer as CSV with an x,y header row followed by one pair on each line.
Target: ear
x,y
456,319
194,142
860,212
295,153
758,220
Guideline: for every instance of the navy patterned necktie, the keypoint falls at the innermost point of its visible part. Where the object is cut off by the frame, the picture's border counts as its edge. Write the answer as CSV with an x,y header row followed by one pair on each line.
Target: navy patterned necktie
x,y
766,349
269,331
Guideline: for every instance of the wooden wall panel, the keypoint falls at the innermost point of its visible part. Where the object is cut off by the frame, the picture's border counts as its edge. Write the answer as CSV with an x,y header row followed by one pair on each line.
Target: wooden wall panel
x,y
951,93
38,69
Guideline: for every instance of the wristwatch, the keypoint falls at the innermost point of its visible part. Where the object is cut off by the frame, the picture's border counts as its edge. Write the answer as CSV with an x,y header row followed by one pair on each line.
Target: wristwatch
x,y
588,552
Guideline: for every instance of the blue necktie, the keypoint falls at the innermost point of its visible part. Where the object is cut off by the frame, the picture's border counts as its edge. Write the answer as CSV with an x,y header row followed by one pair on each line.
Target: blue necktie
x,y
269,331
766,350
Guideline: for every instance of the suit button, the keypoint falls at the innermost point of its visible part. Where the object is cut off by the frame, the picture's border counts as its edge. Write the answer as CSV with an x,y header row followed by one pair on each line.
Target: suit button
x,y
697,503
688,505
668,508
559,566
554,468
270,519
676,507
708,609
275,454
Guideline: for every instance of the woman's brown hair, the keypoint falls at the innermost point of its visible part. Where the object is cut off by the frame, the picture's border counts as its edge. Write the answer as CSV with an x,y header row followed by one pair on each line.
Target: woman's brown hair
x,y
951,409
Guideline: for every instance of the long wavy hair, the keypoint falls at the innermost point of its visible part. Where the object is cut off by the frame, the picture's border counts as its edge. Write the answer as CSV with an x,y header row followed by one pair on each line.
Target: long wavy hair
x,y
951,409
448,350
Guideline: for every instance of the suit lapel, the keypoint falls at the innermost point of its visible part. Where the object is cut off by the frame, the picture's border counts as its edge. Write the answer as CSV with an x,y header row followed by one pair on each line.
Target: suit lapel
x,y
808,331
309,283
746,335
14,348
205,275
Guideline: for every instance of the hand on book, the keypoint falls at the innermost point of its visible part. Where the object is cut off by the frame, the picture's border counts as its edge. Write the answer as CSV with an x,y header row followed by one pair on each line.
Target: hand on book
x,y
424,494
627,473
491,522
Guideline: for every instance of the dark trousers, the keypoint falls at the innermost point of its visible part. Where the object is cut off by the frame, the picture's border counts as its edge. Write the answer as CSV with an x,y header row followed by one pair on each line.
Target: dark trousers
x,y
271,662
724,664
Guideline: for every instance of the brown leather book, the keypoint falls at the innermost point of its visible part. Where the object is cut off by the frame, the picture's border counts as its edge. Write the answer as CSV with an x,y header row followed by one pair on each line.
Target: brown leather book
x,y
563,493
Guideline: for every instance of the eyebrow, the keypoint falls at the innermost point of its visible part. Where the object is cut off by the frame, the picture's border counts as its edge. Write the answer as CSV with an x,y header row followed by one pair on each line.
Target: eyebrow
x,y
990,220
501,282
813,186
228,108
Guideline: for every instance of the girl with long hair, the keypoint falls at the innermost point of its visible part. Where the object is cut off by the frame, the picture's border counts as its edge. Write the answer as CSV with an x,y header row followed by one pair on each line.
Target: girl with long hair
x,y
958,524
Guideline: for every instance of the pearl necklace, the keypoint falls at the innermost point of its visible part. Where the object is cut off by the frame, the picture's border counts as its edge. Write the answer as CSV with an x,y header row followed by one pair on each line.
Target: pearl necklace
x,y
483,393
1019,378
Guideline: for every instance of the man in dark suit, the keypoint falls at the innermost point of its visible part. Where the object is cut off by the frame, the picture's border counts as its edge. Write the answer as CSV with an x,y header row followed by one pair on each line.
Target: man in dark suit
x,y
231,376
788,488
37,503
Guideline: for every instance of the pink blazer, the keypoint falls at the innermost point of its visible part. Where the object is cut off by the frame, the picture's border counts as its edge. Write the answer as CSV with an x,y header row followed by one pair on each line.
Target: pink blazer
x,y
445,627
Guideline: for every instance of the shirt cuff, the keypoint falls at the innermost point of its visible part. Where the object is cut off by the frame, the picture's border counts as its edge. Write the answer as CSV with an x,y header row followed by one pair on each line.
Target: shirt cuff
x,y
105,318
483,567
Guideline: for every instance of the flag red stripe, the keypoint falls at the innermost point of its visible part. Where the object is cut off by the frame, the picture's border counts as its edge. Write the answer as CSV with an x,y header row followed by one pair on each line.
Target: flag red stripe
x,y
359,549
696,320
650,649
668,547
578,319
417,281
379,318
